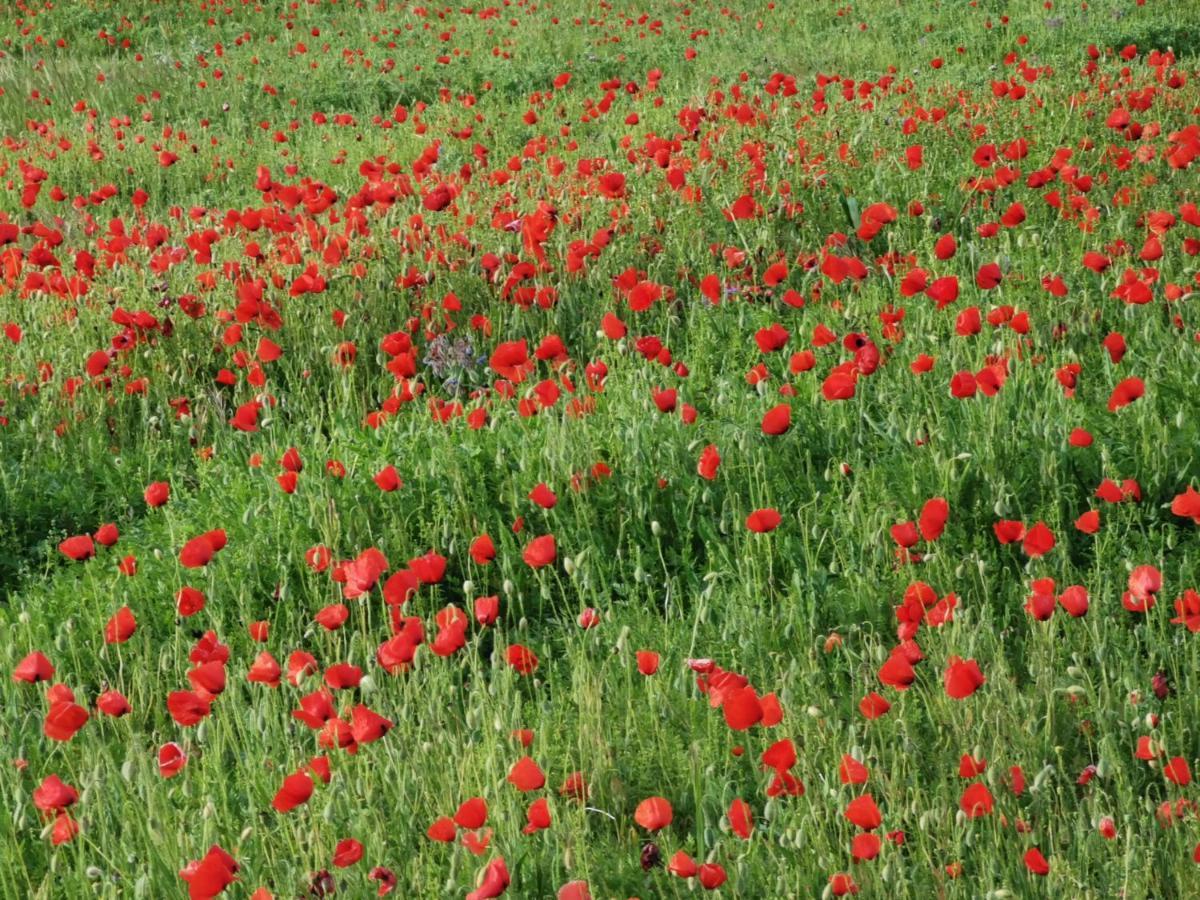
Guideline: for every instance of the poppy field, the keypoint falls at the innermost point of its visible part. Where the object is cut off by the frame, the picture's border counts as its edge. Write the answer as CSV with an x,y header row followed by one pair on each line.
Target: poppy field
x,y
581,450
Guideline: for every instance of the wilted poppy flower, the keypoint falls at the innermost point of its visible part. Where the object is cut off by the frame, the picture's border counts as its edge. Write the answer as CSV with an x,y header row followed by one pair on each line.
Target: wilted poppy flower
x,y
386,878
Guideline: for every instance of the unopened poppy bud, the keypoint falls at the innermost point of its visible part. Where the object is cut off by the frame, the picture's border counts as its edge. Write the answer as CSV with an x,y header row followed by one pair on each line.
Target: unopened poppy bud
x,y
468,587
94,873
655,528
507,586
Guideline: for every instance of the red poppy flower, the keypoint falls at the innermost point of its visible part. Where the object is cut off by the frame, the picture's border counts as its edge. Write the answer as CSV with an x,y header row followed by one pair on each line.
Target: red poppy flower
x,y
63,719
33,668
296,790
741,821
863,812
114,704
976,801
494,882
763,520
79,547
1125,393
654,813
171,760
120,627
526,775
521,658
347,853
1035,862
777,420
963,678
54,795
647,662
157,494
540,552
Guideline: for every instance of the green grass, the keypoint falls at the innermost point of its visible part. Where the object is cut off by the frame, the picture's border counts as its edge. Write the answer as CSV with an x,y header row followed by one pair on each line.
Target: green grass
x,y
663,555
